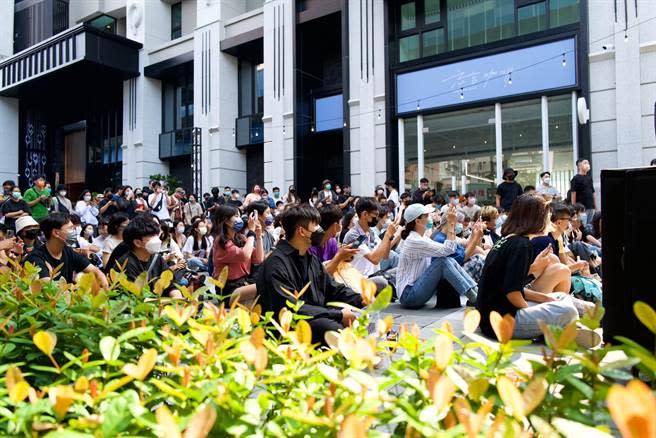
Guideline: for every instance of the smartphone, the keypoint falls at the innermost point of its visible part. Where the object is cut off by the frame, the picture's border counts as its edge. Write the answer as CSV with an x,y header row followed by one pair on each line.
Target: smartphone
x,y
10,234
358,242
255,215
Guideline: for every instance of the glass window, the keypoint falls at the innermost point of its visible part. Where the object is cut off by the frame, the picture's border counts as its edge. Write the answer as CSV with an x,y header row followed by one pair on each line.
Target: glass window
x,y
531,18
433,42
460,152
408,16
409,48
178,101
176,20
471,23
410,154
431,11
104,23
561,144
259,88
522,139
563,12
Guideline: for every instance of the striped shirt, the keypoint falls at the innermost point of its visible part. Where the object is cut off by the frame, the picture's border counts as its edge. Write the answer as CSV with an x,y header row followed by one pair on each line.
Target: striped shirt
x,y
416,256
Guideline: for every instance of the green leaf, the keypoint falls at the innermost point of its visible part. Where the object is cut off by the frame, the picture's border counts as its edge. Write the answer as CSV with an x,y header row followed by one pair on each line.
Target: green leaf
x,y
616,374
110,348
382,300
646,314
136,332
583,387
572,429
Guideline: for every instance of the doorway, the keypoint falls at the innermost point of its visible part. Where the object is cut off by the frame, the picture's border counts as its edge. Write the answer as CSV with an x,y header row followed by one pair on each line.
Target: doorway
x,y
75,147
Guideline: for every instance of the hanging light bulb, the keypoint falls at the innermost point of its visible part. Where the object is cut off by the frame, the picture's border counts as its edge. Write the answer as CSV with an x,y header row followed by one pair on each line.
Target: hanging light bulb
x,y
257,134
418,107
312,128
626,37
345,124
509,78
284,131
564,61
462,94
379,114
233,132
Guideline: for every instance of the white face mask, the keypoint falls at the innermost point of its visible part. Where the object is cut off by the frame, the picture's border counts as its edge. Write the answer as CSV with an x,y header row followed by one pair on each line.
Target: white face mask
x,y
547,180
472,201
181,230
153,245
202,231
62,193
87,198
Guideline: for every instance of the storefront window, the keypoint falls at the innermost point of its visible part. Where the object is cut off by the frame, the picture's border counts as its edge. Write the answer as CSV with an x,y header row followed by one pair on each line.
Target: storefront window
x,y
408,16
409,48
460,152
431,11
410,137
521,130
561,149
563,12
433,42
531,18
473,23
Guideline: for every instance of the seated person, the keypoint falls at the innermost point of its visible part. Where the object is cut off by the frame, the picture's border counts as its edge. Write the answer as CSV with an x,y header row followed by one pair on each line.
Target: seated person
x,y
197,246
468,252
490,216
291,267
373,249
141,236
266,220
453,199
115,227
384,221
515,283
236,251
58,230
10,248
326,248
423,262
28,230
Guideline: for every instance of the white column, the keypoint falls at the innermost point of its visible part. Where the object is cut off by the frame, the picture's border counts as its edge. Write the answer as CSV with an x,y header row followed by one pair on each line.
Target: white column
x,y
499,141
401,129
546,166
420,148
575,131
9,138
367,94
279,62
6,29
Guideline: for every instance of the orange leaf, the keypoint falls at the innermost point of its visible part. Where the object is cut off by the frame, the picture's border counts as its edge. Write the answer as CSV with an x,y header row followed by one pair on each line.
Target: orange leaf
x,y
442,393
352,427
633,409
471,320
166,422
145,365
503,327
304,332
443,352
285,318
261,359
201,423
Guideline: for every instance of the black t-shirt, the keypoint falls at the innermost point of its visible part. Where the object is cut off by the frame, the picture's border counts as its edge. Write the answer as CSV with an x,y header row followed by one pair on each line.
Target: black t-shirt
x,y
235,203
110,210
540,243
582,185
508,191
72,262
418,197
135,267
11,206
506,270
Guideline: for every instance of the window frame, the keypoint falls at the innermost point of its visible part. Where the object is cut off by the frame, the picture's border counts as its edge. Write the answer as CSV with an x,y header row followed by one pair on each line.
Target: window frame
x,y
175,30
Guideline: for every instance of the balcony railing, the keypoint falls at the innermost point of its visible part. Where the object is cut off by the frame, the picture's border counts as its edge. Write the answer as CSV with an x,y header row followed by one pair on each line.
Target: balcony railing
x,y
178,143
249,130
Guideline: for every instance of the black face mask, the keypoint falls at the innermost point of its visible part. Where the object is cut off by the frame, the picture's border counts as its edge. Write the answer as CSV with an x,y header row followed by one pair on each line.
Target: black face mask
x,y
31,234
317,236
372,223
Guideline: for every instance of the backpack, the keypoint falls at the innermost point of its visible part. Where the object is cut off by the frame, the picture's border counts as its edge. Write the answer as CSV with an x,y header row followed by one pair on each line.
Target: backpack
x,y
585,289
157,206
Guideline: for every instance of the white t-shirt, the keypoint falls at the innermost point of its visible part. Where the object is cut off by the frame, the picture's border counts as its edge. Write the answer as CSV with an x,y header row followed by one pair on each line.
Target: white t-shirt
x,y
394,196
163,213
111,242
188,247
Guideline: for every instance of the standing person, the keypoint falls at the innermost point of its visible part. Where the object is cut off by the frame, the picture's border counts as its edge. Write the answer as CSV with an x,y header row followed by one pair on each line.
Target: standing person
x,y
107,206
267,199
191,210
159,202
276,195
549,192
393,193
86,209
234,199
60,203
58,230
422,195
326,196
115,227
176,205
14,207
582,188
291,197
38,199
508,190
125,201
253,196
140,202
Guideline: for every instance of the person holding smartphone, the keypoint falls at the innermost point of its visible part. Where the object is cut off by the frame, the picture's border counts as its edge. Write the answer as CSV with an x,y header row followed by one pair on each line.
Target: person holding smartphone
x,y
327,249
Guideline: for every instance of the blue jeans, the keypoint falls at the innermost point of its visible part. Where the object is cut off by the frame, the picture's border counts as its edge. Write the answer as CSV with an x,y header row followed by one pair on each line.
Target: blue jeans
x,y
196,263
391,262
416,295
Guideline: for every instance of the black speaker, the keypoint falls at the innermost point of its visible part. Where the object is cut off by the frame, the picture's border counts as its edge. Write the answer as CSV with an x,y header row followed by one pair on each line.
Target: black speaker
x,y
629,250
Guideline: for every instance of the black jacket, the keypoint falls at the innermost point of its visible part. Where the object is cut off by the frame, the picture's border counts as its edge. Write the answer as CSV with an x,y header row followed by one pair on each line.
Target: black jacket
x,y
279,271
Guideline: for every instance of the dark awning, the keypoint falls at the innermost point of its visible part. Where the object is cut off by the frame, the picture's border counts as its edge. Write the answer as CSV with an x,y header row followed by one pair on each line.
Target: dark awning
x,y
79,45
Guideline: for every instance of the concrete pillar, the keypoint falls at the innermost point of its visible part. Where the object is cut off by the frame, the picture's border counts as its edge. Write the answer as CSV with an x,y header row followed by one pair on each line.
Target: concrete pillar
x,y
6,28
279,38
9,139
366,94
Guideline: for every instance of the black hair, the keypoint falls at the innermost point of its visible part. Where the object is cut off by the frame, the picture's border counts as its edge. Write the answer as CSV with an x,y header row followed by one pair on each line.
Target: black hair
x,y
453,194
391,183
528,189
84,192
299,216
219,226
157,184
346,220
107,190
367,204
651,163
279,203
275,188
93,233
470,195
75,219
200,242
215,191
423,180
330,214
138,228
115,221
596,225
9,182
54,221
546,172
259,206
3,229
234,191
580,160
382,211
579,208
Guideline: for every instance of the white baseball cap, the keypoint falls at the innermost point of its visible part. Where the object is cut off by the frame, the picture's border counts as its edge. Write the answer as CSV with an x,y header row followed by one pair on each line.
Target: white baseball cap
x,y
413,211
25,221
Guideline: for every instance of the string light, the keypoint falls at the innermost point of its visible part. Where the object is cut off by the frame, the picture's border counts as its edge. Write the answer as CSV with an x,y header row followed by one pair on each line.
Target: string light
x,y
312,128
564,61
418,107
462,94
345,124
379,114
509,78
233,132
284,131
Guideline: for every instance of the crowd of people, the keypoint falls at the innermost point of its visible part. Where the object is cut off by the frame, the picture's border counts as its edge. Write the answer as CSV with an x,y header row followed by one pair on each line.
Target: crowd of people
x,y
533,253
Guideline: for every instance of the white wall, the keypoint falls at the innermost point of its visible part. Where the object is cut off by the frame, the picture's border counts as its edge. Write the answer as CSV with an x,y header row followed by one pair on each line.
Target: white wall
x,y
9,138
189,8
6,28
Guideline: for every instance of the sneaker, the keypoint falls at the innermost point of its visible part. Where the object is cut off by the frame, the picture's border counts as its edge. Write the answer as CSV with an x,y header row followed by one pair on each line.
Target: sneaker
x,y
586,338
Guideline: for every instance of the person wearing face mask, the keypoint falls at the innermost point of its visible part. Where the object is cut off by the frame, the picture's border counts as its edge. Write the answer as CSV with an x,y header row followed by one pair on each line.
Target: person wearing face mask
x,y
60,203
291,197
14,208
276,195
191,210
235,200
327,250
291,267
197,246
452,200
141,236
7,186
489,217
424,263
469,254
86,209
58,230
266,219
125,201
267,199
38,199
115,227
470,209
27,229
582,189
326,196
238,246
107,205
253,196
159,202
508,190
373,250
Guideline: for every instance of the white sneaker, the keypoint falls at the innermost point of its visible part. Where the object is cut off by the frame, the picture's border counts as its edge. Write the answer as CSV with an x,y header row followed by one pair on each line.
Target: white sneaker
x,y
586,338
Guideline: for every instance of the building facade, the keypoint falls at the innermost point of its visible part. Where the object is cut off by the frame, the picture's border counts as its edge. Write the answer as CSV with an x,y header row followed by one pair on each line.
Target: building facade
x,y
96,93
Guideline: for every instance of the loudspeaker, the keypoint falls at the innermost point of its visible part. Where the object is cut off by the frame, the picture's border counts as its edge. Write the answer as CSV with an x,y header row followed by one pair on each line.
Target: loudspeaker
x,y
629,250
